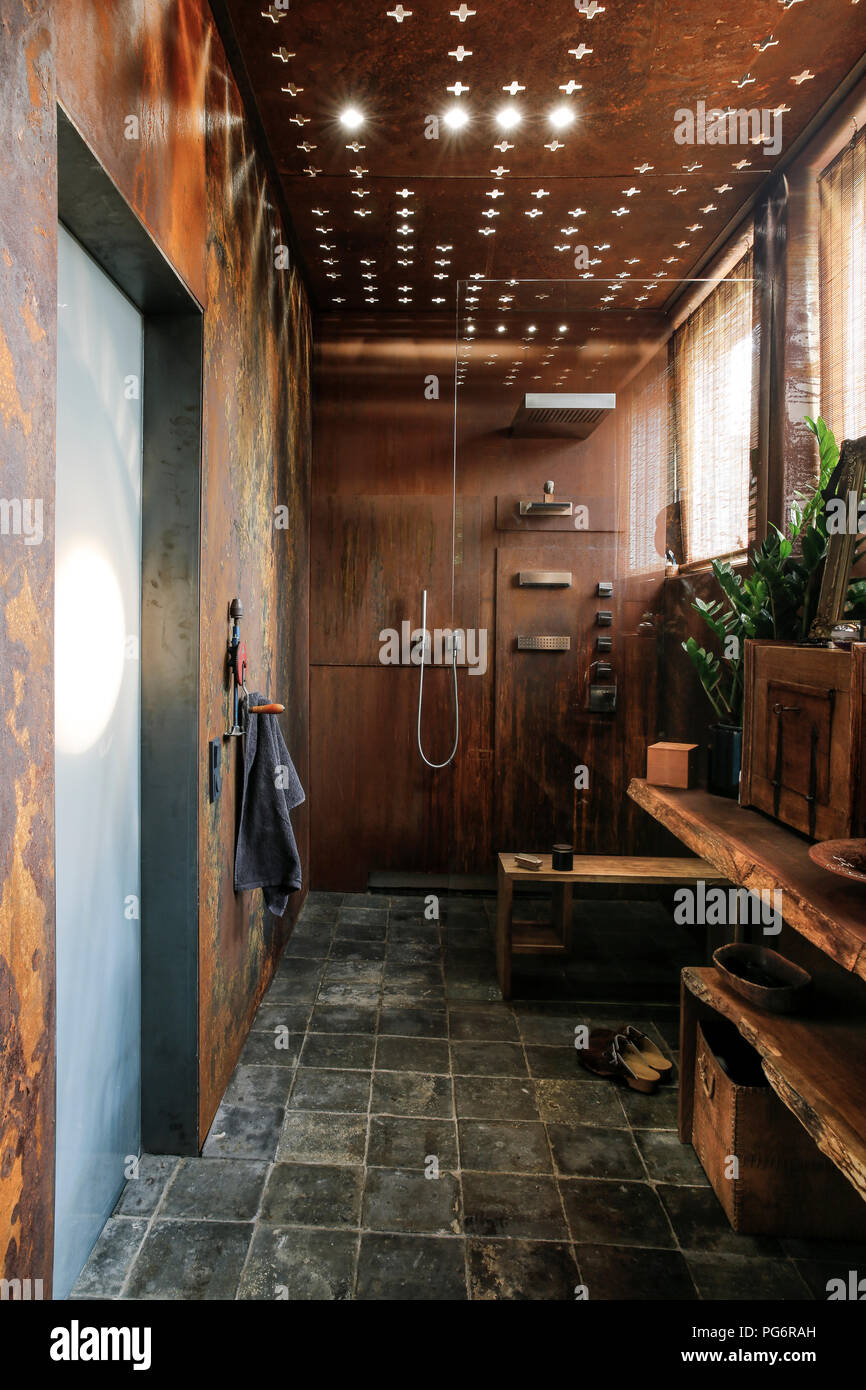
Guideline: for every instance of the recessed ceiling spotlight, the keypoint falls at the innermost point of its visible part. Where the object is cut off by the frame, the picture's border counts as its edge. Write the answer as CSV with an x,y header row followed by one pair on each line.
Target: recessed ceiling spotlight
x,y
563,328
456,117
351,118
508,118
531,328
500,328
561,116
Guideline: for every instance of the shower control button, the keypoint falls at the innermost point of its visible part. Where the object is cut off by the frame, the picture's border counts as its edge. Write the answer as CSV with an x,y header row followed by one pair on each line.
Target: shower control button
x,y
604,617
604,643
604,589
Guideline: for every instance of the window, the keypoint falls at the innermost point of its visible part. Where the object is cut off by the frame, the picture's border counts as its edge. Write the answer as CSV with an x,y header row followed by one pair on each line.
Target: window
x,y
842,250
714,413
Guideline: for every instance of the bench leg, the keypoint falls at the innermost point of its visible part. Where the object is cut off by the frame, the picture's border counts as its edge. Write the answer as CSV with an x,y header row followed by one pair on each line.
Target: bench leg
x,y
562,896
688,1049
504,895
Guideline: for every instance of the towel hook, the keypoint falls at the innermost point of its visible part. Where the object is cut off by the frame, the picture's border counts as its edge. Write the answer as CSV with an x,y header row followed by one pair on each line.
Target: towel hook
x,y
237,663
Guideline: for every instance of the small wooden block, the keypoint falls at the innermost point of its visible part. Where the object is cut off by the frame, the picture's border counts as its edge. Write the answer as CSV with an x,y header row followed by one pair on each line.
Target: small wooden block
x,y
671,764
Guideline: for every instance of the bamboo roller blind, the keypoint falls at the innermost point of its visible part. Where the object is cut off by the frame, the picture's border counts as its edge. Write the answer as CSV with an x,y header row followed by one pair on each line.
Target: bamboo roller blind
x,y
714,411
842,250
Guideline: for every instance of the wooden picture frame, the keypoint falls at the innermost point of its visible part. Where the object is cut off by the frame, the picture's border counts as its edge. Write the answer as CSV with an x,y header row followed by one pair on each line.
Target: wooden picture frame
x,y
849,477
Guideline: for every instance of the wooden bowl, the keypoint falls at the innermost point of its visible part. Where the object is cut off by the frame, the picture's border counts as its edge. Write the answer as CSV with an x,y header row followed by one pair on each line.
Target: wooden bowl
x,y
762,976
845,857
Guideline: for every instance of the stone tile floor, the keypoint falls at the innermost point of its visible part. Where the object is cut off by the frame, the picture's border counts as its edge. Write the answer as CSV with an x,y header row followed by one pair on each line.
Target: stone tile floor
x,y
393,1130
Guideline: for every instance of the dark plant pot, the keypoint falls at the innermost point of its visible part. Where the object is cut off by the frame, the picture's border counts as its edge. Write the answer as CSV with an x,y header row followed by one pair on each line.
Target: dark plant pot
x,y
726,752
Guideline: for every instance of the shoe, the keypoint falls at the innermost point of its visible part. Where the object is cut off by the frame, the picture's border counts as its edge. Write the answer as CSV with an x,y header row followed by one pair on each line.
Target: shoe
x,y
648,1051
594,1057
617,1058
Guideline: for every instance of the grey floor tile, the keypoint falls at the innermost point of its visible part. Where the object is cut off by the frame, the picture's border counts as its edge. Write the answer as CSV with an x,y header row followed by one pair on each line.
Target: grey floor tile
x,y
338,1050
368,928
341,992
700,1223
616,1272
833,1280
408,1268
553,1030
668,1160
740,1278
257,1085
500,1204
286,990
553,1063
412,1093
367,977
244,1131
315,1136
276,1049
589,1151
110,1259
579,1103
494,1098
413,952
603,1212
521,1270
299,1264
400,1142
141,1195
488,1059
403,1199
342,1018
358,952
413,1023
316,1088
504,1146
312,1194
494,1024
412,1054
216,1189
658,1111
190,1261
290,1017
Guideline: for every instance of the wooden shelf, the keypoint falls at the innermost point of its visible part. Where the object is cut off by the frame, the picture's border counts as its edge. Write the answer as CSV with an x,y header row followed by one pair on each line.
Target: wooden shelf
x,y
815,1061
750,849
614,868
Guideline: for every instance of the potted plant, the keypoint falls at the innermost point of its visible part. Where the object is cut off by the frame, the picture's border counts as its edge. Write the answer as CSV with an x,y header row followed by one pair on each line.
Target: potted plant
x,y
776,599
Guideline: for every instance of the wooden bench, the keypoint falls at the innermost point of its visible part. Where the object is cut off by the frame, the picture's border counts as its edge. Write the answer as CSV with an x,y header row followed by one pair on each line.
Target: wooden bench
x,y
554,938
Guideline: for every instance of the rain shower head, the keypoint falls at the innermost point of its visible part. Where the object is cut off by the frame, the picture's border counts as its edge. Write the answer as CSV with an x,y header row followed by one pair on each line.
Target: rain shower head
x,y
561,414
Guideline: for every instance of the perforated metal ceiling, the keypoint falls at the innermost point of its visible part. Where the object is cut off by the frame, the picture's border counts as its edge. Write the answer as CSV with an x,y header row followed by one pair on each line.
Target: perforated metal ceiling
x,y
391,213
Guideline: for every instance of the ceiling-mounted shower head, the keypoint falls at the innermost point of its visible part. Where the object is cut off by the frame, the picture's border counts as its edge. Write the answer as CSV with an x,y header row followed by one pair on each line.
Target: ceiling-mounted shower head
x,y
561,414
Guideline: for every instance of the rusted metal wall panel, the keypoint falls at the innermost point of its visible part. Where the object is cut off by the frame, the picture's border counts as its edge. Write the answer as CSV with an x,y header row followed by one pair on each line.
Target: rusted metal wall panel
x,y
186,165
256,425
381,533
194,176
28,315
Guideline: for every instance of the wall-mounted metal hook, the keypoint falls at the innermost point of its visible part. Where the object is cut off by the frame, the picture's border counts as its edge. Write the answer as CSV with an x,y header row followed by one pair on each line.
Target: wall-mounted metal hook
x,y
237,660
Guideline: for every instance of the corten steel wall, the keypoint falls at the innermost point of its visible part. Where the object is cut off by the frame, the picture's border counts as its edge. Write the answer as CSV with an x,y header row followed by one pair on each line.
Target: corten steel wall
x,y
381,531
196,181
28,318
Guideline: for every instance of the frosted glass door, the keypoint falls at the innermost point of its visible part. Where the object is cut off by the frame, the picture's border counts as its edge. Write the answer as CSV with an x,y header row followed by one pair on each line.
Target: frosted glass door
x,y
97,725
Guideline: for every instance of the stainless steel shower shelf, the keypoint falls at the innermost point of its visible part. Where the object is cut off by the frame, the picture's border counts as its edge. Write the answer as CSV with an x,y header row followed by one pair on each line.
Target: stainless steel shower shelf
x,y
544,579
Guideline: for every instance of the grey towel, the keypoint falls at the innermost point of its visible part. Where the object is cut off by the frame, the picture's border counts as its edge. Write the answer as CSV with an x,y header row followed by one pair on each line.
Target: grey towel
x,y
266,855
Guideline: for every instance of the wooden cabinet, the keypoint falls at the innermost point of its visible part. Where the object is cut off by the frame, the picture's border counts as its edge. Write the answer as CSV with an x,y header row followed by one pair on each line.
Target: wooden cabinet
x,y
803,736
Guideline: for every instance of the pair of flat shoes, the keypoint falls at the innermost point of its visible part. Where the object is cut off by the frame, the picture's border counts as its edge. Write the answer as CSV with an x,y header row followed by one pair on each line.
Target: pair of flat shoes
x,y
628,1055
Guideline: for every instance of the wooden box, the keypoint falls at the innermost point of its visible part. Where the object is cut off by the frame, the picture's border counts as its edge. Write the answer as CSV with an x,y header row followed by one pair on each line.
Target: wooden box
x,y
803,731
782,1184
671,764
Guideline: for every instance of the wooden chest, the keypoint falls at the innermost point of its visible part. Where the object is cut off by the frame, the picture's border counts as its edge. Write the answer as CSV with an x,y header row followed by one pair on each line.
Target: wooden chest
x,y
803,731
766,1171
